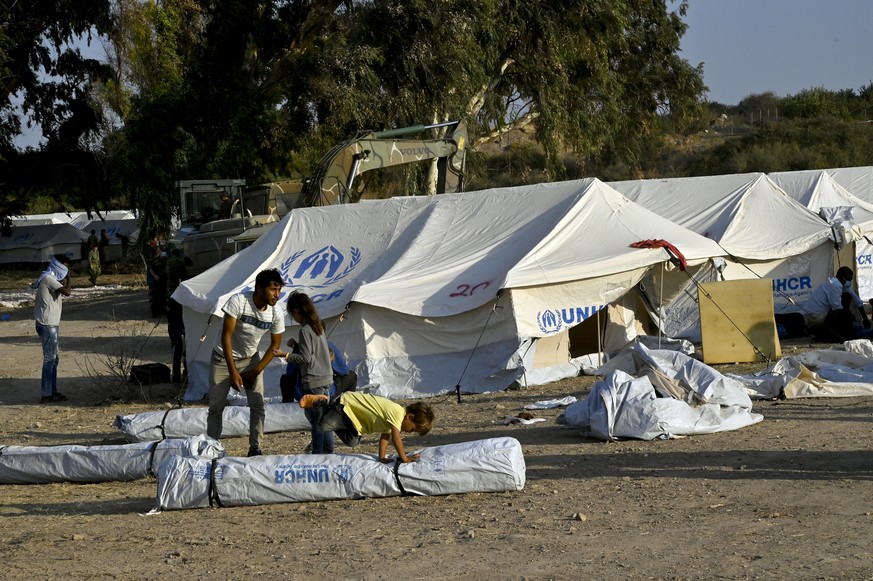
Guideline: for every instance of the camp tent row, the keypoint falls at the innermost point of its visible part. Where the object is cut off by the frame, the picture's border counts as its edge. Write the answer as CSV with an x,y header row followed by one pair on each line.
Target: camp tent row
x,y
483,289
763,232
37,238
472,291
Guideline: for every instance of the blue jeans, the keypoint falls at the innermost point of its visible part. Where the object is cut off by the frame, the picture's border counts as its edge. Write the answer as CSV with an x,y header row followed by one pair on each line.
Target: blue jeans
x,y
322,442
49,381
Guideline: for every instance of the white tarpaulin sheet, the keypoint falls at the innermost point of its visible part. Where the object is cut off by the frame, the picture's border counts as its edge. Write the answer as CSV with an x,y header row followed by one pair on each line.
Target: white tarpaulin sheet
x,y
437,263
675,395
493,465
190,421
821,373
42,464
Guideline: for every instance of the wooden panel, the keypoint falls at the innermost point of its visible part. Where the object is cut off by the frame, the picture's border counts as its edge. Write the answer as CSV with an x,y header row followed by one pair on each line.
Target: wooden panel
x,y
735,317
552,350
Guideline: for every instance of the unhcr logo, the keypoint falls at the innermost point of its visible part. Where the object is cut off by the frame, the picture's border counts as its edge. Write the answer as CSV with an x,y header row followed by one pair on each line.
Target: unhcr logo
x,y
319,269
552,321
548,322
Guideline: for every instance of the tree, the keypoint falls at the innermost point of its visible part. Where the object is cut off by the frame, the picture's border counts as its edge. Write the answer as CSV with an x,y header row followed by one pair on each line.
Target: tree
x,y
815,103
586,75
255,88
44,76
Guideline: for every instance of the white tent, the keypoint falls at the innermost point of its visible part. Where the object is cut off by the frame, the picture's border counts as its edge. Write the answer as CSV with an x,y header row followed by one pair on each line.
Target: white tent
x,y
40,243
850,217
857,180
765,232
40,219
454,290
83,221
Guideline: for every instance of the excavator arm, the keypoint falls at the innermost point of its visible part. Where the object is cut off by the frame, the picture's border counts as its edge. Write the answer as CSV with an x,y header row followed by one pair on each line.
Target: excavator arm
x,y
336,172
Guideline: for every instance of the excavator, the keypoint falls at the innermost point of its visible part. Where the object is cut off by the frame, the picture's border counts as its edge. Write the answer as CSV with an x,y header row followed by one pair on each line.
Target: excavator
x,y
221,217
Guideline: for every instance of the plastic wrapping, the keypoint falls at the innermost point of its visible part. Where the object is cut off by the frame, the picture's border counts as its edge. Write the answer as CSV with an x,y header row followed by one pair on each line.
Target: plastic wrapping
x,y
492,465
674,395
190,421
71,463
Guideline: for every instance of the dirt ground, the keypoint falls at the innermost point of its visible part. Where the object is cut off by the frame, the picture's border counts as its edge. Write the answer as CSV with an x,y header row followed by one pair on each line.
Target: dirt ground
x,y
788,498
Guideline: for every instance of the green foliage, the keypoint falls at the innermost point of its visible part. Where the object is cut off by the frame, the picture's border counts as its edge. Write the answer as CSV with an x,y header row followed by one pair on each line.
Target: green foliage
x,y
815,103
791,145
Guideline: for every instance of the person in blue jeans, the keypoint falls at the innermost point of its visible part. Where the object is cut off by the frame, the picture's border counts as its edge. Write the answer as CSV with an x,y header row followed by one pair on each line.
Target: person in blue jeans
x,y
52,284
311,353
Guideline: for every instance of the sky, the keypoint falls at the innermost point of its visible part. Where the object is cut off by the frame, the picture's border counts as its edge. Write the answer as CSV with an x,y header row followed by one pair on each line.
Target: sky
x,y
754,46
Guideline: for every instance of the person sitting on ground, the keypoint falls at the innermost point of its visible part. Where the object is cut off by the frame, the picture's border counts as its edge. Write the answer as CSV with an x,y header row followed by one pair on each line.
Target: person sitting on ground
x,y
354,414
827,311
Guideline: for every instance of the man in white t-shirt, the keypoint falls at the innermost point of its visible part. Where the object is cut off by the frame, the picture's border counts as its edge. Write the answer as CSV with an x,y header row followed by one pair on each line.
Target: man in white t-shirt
x,y
236,361
53,283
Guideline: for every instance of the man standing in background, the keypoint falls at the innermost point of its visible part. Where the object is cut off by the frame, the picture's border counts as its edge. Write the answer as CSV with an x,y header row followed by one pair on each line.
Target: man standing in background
x,y
51,284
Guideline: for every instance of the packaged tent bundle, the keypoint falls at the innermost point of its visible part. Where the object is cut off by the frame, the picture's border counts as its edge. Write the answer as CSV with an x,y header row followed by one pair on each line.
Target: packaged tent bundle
x,y
474,290
493,465
190,421
73,463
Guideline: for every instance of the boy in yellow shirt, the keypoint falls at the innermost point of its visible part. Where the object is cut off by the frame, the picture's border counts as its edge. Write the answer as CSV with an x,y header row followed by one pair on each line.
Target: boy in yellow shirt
x,y
355,413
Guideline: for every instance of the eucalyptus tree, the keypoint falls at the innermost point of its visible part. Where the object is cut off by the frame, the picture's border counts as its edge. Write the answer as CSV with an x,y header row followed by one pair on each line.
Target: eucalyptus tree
x,y
586,75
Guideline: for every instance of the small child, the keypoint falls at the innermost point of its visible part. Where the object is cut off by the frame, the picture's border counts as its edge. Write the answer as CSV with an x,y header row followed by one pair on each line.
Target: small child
x,y
355,413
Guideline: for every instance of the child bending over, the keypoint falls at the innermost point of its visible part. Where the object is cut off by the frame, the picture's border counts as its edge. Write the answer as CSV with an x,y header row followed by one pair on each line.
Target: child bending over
x,y
355,413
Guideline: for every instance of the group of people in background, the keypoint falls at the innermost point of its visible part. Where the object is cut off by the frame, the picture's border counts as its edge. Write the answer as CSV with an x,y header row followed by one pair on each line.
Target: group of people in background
x,y
96,249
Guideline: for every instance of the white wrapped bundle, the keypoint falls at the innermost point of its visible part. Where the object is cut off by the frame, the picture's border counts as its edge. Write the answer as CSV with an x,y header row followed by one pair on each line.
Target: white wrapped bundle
x,y
181,422
42,464
492,465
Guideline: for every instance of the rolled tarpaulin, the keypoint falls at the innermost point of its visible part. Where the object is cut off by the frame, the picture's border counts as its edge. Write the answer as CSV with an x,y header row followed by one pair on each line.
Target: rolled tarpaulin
x,y
190,421
493,465
73,463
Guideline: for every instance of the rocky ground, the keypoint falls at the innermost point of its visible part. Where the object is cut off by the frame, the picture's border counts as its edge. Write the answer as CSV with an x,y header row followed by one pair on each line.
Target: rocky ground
x,y
788,498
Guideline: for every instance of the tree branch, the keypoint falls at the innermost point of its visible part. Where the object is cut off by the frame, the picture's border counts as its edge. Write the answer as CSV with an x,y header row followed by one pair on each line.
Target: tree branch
x,y
517,123
478,100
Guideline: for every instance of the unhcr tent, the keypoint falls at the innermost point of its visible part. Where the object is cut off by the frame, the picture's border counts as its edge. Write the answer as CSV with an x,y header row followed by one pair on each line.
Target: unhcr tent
x,y
850,218
764,232
40,243
471,290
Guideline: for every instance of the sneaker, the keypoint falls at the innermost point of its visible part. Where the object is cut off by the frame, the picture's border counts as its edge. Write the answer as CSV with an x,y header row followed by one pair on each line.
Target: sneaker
x,y
255,452
54,398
